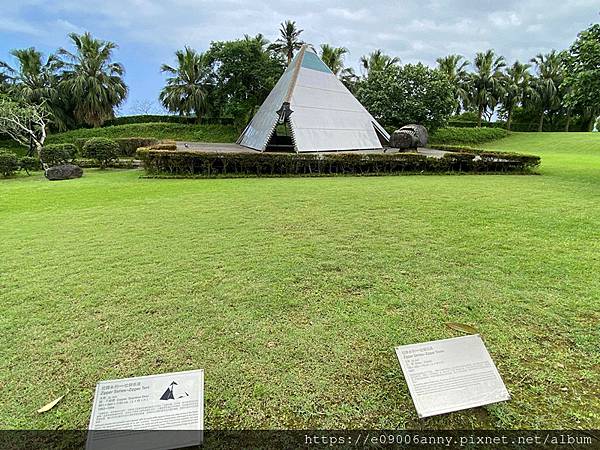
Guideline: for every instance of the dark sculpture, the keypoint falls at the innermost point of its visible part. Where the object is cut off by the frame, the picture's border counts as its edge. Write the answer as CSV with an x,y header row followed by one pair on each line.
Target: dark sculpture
x,y
409,136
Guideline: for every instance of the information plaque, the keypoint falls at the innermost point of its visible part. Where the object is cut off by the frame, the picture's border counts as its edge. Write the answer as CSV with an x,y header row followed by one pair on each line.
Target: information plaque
x,y
450,375
152,412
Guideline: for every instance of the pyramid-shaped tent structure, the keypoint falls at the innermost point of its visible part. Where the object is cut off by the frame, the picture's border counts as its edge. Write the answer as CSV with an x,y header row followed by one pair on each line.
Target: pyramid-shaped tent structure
x,y
318,110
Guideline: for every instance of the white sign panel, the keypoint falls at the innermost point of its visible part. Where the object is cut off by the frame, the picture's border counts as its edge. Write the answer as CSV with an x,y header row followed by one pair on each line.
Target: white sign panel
x,y
450,375
161,403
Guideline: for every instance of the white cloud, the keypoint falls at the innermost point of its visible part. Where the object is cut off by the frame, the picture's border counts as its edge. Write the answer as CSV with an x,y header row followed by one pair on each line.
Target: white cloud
x,y
11,25
505,19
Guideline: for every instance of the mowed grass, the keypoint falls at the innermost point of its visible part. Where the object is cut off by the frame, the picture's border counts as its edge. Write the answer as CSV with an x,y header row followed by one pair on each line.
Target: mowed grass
x,y
292,293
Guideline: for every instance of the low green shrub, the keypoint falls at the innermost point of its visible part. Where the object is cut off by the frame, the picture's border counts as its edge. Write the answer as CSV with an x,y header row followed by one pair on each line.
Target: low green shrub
x,y
29,164
527,161
57,154
102,150
192,164
79,143
167,145
9,163
121,163
462,136
128,146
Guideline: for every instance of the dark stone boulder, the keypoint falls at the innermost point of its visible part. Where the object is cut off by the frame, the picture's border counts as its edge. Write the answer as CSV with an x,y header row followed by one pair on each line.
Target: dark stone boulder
x,y
64,172
403,140
409,136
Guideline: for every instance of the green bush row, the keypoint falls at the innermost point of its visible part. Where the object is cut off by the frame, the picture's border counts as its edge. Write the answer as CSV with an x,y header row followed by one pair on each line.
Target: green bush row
x,y
57,154
154,118
127,146
196,164
10,163
531,161
462,136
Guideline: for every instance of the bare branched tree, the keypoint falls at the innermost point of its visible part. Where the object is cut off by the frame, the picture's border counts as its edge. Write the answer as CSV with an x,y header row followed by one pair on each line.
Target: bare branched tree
x,y
24,123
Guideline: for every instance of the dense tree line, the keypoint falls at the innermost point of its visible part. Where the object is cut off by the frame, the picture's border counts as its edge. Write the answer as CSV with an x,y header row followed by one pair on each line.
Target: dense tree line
x,y
556,87
83,86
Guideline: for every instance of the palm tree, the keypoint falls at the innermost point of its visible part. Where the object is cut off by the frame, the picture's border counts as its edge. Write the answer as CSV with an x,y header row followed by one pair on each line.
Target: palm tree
x,y
258,39
454,67
37,82
289,41
333,57
484,85
516,88
34,79
349,78
377,61
550,73
187,89
92,80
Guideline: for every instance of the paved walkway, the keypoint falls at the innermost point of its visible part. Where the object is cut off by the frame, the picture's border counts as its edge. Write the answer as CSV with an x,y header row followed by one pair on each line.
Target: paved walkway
x,y
206,147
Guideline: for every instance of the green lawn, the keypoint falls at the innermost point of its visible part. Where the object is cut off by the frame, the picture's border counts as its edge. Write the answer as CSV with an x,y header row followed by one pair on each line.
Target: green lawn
x,y
292,293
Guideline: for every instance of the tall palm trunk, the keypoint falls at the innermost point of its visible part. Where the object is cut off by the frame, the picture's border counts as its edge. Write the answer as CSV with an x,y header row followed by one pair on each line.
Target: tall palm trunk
x,y
541,124
479,117
568,121
509,119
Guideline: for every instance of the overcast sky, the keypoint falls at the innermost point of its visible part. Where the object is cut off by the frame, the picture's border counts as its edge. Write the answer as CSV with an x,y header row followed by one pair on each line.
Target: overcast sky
x,y
149,31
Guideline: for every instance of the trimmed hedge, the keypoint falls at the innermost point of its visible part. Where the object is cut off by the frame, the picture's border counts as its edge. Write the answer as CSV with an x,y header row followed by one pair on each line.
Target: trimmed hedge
x,y
103,150
125,163
9,163
57,154
528,161
461,136
197,164
127,146
153,118
29,164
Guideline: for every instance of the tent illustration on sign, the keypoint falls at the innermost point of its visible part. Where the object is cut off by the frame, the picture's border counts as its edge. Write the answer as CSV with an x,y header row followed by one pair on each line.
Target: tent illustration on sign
x,y
169,394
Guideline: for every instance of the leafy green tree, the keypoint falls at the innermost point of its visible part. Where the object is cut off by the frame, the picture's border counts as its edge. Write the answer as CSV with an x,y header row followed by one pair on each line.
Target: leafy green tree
x,y
485,84
582,77
516,88
377,61
189,85
454,67
289,40
546,95
333,57
91,78
244,72
413,93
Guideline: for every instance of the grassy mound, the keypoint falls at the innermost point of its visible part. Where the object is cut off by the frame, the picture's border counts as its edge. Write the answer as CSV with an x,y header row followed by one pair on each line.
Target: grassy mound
x,y
175,131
